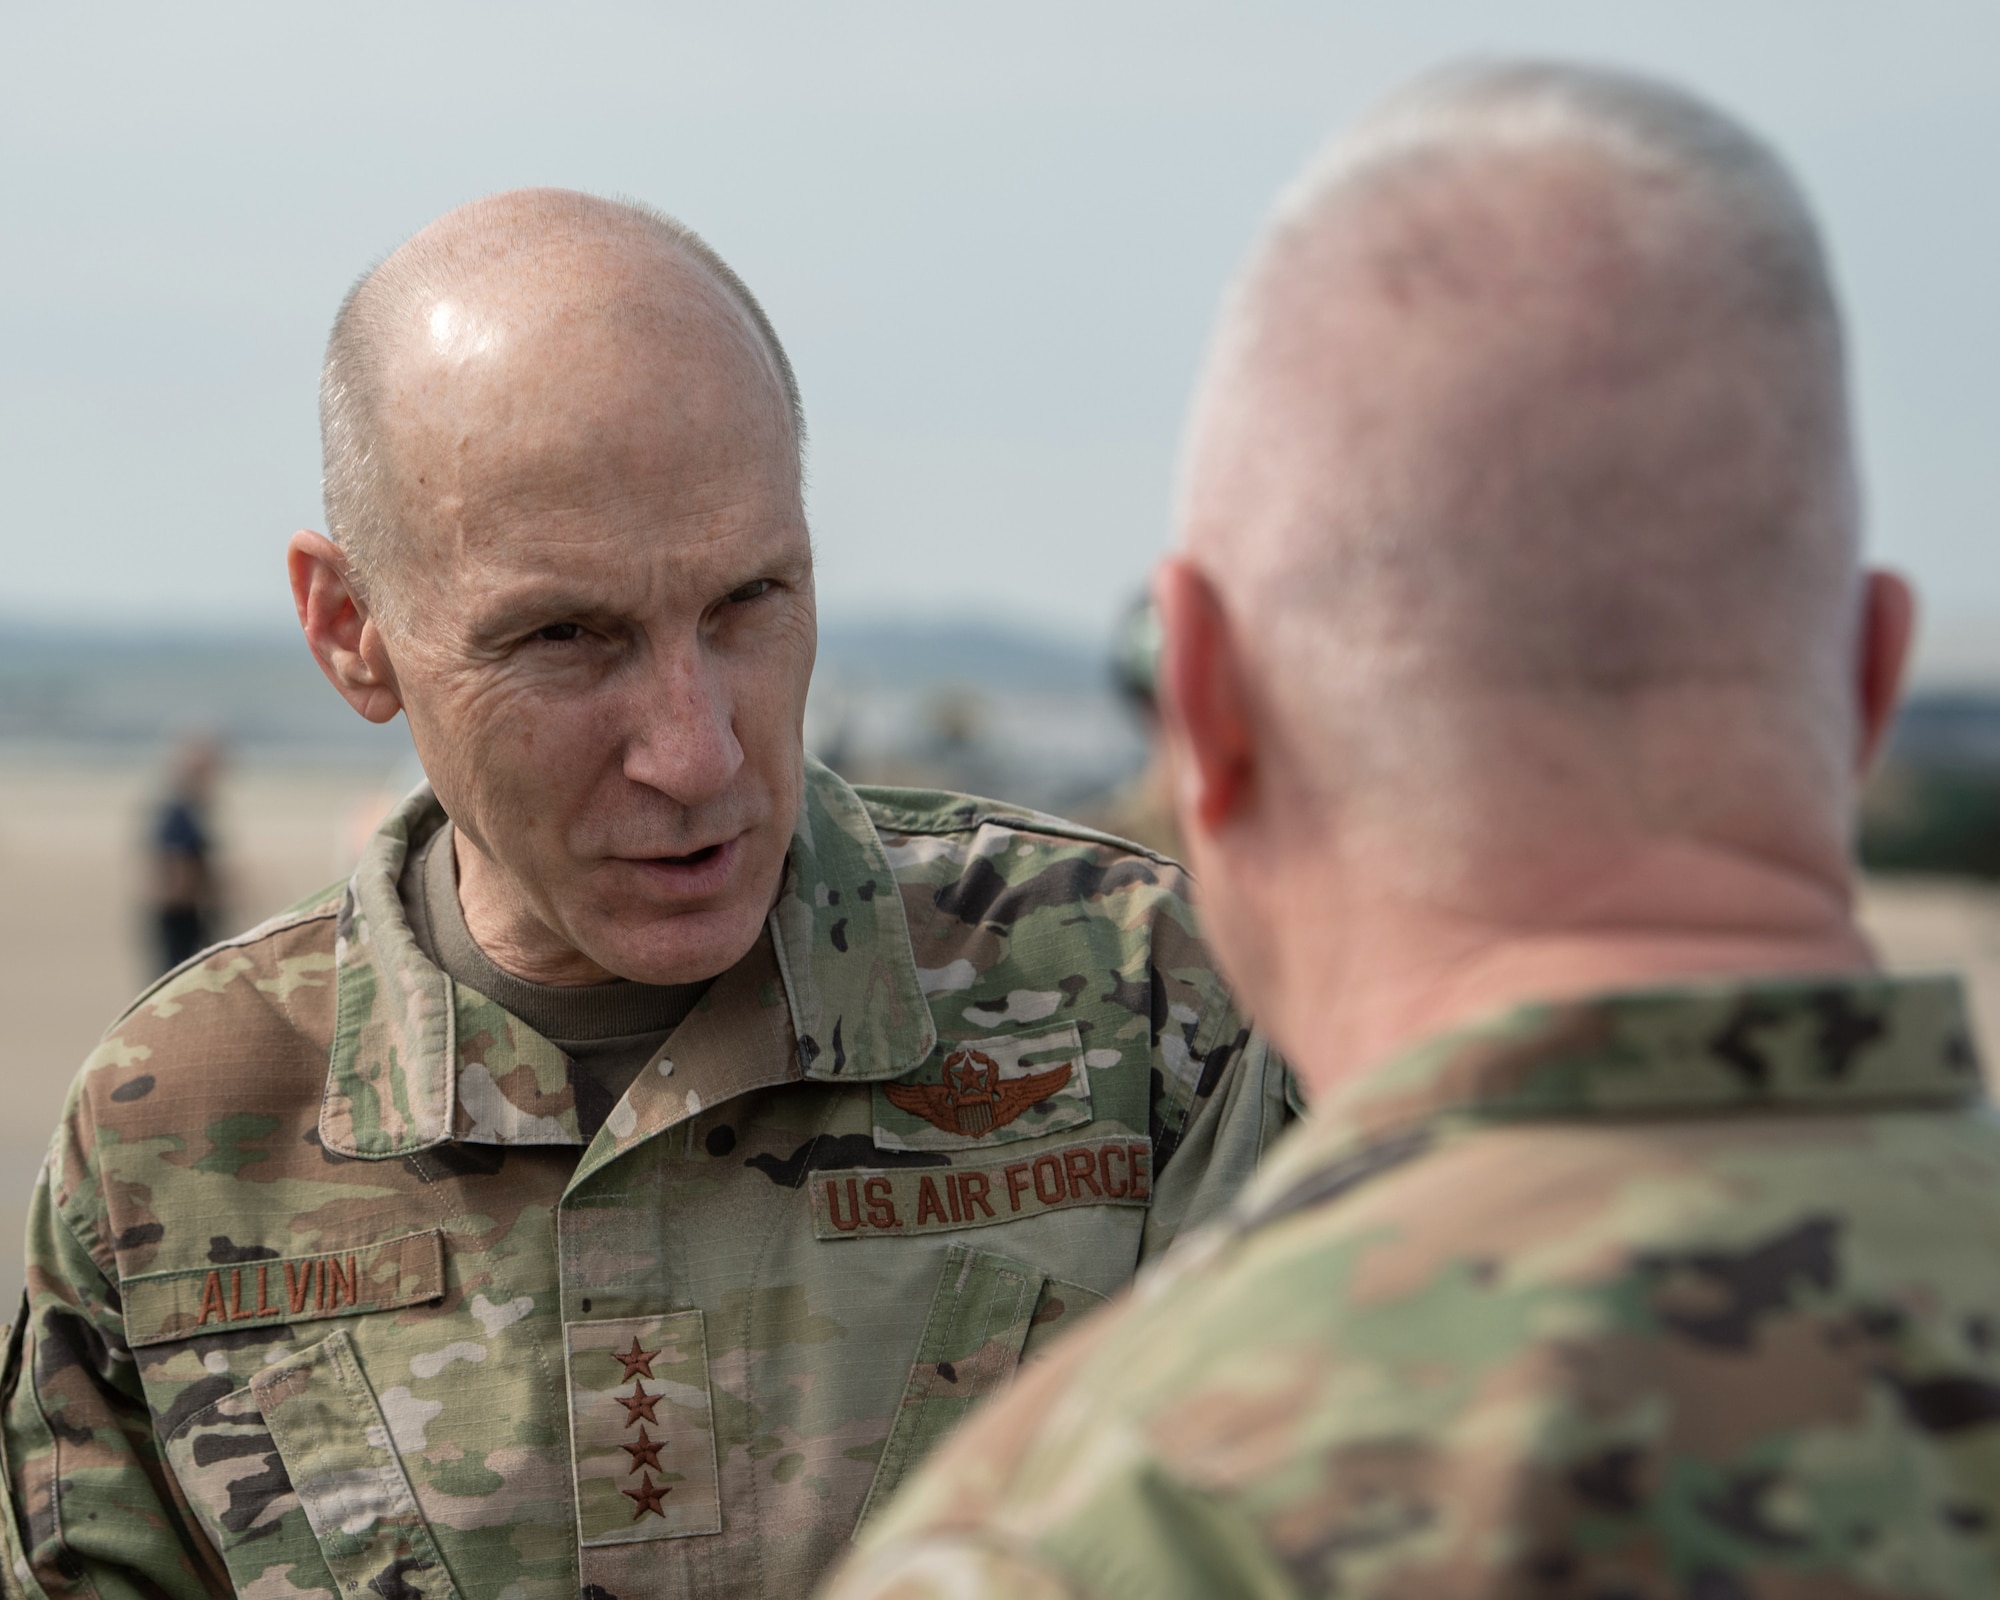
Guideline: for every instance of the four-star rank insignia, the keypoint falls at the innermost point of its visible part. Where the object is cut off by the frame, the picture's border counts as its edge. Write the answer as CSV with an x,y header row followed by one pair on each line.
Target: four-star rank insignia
x,y
973,1099
641,1430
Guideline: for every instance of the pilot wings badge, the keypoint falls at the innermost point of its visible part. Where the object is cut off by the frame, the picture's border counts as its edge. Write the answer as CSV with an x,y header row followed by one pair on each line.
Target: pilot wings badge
x,y
973,1099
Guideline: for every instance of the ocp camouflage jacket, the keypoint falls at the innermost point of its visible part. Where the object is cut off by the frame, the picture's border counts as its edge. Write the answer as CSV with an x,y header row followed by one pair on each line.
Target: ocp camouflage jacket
x,y
1686,1294
327,1293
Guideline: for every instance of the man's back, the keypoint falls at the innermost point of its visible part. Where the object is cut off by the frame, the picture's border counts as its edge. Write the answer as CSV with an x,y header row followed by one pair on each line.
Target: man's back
x,y
1672,1294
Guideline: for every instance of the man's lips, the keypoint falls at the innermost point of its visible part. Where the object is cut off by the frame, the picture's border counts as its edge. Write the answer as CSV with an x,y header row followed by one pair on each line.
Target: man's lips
x,y
699,872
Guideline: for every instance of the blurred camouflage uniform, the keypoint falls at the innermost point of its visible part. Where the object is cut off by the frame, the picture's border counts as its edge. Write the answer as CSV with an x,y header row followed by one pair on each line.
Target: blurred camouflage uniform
x,y
385,1326
1688,1294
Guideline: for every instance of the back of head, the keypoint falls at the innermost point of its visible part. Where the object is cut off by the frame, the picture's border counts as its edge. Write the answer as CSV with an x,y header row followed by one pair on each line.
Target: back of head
x,y
1527,422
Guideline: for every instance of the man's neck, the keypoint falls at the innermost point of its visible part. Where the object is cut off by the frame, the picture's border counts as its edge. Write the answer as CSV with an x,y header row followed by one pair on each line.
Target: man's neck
x,y
1398,972
509,933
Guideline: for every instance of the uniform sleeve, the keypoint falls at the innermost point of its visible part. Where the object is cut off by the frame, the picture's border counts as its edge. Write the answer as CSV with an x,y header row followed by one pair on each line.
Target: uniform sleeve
x,y
1208,1136
90,1506
952,1568
1133,1532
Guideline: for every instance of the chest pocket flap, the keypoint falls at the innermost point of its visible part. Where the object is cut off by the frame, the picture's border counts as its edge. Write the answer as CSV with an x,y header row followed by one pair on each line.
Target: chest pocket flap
x,y
334,1441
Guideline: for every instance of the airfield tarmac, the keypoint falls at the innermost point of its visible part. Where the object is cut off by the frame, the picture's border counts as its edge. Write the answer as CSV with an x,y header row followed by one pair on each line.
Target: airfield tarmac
x,y
72,953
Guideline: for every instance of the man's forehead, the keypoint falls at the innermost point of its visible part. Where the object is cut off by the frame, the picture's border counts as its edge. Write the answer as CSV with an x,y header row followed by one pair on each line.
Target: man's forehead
x,y
663,310
586,379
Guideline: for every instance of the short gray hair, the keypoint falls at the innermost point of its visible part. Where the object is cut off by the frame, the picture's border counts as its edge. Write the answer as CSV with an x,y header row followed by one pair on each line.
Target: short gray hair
x,y
1637,123
353,464
1616,465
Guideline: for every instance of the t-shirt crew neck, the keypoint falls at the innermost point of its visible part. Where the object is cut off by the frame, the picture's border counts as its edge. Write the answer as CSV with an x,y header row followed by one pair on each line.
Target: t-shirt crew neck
x,y
608,1030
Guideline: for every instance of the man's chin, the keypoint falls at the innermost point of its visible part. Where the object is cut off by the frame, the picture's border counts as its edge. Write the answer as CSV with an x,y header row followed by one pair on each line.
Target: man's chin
x,y
688,947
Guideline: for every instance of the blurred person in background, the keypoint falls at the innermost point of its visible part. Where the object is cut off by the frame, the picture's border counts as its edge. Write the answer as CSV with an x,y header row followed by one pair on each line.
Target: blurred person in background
x,y
186,897
1520,672
656,1145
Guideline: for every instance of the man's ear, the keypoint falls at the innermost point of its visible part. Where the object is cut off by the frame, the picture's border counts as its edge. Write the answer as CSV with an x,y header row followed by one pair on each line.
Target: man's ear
x,y
1888,627
1204,706
343,637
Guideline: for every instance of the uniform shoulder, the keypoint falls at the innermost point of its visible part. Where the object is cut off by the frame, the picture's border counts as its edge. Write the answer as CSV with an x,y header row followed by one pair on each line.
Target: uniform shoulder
x,y
226,1052
966,863
269,989
1013,913
941,813
1608,1272
276,939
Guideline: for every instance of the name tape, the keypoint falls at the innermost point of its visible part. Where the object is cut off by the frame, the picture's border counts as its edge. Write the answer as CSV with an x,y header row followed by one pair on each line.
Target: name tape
x,y
1097,1172
403,1271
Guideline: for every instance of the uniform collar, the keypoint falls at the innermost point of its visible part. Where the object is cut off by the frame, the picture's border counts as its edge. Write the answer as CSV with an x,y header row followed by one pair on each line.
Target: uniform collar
x,y
419,1060
1848,1043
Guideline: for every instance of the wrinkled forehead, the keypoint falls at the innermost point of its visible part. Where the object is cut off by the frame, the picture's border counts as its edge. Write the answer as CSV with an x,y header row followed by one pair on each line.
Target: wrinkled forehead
x,y
536,325
528,382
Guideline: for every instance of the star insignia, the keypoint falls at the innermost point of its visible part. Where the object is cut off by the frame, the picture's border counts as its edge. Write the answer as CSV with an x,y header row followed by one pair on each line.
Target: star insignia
x,y
647,1497
638,1404
638,1363
646,1453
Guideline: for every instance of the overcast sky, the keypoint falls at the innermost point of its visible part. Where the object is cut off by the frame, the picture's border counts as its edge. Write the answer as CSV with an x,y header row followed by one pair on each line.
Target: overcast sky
x,y
992,237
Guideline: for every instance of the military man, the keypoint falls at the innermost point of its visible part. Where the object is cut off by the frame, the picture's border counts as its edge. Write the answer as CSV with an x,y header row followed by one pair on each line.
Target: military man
x,y
657,1145
1519,669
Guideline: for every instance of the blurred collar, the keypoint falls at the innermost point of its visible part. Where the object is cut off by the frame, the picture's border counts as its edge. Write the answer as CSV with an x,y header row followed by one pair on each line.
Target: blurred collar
x,y
419,1060
1863,1042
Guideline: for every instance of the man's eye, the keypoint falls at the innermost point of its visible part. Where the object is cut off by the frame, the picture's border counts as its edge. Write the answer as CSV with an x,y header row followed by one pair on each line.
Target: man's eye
x,y
750,590
559,633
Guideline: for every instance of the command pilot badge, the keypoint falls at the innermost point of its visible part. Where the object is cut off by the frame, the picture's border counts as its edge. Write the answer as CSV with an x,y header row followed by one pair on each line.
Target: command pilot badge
x,y
987,1092
974,1099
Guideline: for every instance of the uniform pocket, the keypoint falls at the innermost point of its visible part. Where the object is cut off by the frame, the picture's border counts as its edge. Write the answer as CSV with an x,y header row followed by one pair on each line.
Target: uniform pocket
x,y
972,1342
235,1483
339,1458
1059,1307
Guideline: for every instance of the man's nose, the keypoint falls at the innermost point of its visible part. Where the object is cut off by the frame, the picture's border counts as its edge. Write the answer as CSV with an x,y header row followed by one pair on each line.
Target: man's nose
x,y
683,741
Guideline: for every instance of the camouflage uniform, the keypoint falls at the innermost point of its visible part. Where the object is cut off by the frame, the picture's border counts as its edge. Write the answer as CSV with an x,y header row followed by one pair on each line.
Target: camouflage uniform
x,y
1690,1294
327,1294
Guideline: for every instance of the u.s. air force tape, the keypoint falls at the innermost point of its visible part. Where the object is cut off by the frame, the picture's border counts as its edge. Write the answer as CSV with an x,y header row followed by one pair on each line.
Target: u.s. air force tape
x,y
1096,1172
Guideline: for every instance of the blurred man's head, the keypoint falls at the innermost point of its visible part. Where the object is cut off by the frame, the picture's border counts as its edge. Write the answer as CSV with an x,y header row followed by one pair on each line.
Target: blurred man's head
x,y
1519,531
568,543
197,763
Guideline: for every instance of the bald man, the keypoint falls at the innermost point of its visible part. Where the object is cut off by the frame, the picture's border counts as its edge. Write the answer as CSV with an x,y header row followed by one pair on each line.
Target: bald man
x,y
1641,1240
657,1145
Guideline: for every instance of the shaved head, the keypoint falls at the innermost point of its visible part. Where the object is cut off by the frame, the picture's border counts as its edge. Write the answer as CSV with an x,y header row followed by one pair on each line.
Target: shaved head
x,y
550,264
1534,389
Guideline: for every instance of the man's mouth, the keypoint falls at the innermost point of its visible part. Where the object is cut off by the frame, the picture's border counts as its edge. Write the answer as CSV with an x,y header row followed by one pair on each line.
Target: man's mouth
x,y
696,858
697,872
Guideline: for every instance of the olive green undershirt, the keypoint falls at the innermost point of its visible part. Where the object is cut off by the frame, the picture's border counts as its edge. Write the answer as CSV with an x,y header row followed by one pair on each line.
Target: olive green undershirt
x,y
608,1030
